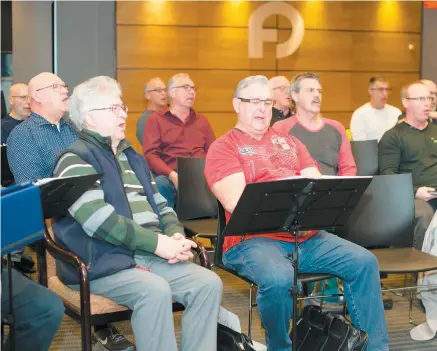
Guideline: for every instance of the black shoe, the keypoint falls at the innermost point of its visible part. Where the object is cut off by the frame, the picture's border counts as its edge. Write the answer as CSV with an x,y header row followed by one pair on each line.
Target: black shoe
x,y
388,302
108,339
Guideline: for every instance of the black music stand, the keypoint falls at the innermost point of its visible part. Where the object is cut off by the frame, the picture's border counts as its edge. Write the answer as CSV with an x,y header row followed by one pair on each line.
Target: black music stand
x,y
295,205
57,195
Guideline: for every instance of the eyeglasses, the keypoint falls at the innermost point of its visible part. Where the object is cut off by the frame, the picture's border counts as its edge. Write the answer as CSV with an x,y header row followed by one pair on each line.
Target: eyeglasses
x,y
282,88
21,97
56,87
422,98
186,87
158,90
312,90
257,102
381,90
115,109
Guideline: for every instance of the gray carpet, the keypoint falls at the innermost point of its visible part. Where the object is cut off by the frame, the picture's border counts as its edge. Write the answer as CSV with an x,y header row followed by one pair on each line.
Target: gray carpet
x,y
236,299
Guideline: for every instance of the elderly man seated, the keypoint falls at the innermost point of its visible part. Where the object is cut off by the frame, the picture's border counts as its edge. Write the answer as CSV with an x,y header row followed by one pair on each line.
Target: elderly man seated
x,y
131,240
252,152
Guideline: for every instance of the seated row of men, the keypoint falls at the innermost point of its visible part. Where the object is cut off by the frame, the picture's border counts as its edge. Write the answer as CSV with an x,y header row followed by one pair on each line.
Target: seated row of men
x,y
138,245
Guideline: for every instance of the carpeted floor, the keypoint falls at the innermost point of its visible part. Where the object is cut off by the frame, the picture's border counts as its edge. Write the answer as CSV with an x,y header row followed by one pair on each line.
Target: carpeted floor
x,y
235,299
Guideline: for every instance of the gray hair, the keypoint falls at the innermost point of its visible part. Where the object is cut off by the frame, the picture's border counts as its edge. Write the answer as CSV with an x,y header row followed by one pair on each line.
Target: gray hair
x,y
295,82
246,82
404,89
87,95
146,86
172,81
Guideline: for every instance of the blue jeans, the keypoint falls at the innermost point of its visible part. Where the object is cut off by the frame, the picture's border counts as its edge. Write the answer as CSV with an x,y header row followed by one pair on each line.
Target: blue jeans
x,y
38,312
265,262
167,189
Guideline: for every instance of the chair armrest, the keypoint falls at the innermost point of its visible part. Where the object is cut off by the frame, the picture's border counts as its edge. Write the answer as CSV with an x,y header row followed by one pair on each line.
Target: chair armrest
x,y
203,255
62,254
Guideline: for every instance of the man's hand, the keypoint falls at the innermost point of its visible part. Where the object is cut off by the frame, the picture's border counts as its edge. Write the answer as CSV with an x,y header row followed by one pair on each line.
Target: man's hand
x,y
423,193
170,248
174,178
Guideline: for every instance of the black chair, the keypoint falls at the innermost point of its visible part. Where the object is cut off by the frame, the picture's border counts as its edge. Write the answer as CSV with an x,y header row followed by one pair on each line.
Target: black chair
x,y
81,306
196,206
384,217
303,278
366,157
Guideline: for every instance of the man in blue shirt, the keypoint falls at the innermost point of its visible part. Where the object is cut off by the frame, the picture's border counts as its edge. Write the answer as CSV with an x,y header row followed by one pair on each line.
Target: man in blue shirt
x,y
33,148
20,109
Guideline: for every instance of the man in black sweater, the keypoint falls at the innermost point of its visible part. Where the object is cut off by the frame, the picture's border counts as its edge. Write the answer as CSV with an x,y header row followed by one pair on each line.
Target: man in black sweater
x,y
411,147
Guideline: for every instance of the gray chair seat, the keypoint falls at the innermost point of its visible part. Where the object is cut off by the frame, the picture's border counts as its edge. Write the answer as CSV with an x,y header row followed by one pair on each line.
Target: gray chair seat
x,y
404,260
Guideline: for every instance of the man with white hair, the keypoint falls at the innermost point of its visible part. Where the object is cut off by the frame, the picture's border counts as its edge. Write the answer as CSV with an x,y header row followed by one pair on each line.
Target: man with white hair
x,y
177,132
34,146
132,241
281,100
252,152
19,109
156,95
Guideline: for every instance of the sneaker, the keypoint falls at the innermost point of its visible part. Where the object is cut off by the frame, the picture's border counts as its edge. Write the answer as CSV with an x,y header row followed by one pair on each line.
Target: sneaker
x,y
109,339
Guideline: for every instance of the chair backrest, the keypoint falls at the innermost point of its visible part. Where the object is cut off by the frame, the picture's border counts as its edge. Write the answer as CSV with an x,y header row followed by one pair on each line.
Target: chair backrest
x,y
366,157
194,199
385,214
221,224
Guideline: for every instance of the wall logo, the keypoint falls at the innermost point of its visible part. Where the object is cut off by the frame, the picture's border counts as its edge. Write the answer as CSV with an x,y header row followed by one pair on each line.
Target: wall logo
x,y
258,34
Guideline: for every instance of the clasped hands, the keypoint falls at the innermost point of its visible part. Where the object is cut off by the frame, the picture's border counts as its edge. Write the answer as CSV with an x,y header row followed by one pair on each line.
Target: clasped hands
x,y
174,249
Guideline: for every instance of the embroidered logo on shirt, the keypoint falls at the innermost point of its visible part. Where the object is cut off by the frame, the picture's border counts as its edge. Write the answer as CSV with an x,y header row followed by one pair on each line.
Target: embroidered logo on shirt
x,y
246,151
277,140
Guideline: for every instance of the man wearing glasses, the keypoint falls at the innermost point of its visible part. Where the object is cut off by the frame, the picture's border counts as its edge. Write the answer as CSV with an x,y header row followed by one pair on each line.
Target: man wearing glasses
x,y
373,119
34,146
253,152
177,132
411,147
156,96
324,138
20,109
281,100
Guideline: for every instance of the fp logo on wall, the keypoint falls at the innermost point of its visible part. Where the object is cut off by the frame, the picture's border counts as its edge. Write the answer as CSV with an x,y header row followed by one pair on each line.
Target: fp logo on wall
x,y
258,34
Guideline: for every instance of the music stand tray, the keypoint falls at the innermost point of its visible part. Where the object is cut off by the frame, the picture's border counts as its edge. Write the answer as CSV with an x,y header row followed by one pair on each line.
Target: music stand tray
x,y
295,205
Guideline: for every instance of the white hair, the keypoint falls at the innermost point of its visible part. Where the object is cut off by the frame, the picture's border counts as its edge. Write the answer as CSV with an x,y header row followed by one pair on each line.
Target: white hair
x,y
246,82
88,95
172,81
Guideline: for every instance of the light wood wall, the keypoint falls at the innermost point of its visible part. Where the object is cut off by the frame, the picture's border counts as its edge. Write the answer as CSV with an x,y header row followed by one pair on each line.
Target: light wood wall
x,y
346,42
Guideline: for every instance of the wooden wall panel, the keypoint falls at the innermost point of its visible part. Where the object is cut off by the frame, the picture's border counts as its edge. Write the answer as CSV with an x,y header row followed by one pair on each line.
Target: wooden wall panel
x,y
346,42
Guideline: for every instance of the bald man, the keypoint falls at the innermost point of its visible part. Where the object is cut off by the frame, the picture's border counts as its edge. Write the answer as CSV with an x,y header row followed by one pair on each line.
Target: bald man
x,y
34,145
281,99
410,147
156,95
20,109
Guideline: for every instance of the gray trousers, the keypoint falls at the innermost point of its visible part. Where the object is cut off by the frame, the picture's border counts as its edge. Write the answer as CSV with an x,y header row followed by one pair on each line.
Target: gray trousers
x,y
150,295
424,212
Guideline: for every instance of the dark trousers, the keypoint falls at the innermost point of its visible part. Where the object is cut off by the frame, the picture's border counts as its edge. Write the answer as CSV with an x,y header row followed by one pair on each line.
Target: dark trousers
x,y
38,312
424,212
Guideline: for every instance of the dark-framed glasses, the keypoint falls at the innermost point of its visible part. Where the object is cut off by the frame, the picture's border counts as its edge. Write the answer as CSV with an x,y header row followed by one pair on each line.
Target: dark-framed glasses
x,y
381,90
257,102
186,87
115,109
282,88
56,87
422,98
158,90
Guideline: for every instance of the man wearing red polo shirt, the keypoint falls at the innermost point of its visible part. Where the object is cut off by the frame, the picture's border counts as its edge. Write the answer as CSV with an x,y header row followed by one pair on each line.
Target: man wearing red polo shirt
x,y
252,152
176,132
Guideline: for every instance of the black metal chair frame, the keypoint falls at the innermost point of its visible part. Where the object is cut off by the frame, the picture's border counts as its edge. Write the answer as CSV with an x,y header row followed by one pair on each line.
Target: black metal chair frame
x,y
85,318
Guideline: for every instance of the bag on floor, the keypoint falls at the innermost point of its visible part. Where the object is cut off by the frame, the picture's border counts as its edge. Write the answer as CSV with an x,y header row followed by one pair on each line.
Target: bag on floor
x,y
231,340
318,331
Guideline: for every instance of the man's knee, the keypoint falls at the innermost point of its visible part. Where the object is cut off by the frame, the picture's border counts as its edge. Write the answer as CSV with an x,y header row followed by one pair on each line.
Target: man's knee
x,y
278,283
209,282
50,308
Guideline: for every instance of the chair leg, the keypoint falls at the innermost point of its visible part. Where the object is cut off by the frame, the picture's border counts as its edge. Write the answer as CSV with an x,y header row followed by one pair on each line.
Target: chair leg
x,y
249,331
323,292
85,310
410,311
